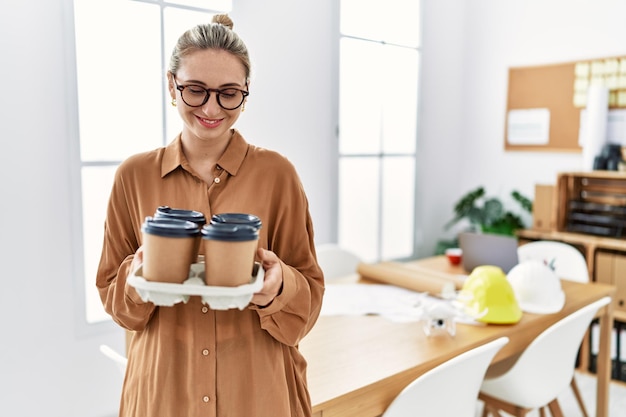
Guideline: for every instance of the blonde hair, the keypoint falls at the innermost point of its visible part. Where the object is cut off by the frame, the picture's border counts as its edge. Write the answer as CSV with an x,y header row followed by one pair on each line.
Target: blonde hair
x,y
218,34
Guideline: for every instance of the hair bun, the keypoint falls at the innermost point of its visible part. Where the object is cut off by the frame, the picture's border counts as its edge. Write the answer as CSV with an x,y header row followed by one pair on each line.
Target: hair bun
x,y
223,19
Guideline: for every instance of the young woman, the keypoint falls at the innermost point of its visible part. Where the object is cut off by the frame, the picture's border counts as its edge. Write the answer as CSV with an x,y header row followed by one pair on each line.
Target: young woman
x,y
189,360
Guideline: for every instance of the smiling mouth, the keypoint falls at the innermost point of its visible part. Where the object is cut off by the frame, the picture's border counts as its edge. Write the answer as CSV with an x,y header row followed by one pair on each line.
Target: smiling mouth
x,y
209,122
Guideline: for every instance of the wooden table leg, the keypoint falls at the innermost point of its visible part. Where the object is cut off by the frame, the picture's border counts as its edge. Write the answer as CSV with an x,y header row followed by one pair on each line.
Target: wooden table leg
x,y
590,252
604,361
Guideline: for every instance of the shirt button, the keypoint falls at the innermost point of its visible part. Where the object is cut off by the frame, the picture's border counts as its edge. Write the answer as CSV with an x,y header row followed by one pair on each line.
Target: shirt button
x,y
205,309
216,180
205,352
205,398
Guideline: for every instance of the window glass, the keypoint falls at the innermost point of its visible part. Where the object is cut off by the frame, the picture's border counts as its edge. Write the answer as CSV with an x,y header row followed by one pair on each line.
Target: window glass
x,y
378,98
118,68
359,201
391,21
360,97
378,106
399,99
398,208
217,5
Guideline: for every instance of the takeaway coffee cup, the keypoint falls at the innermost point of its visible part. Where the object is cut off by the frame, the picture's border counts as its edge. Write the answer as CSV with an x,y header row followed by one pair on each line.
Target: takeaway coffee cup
x,y
183,214
237,218
229,251
169,246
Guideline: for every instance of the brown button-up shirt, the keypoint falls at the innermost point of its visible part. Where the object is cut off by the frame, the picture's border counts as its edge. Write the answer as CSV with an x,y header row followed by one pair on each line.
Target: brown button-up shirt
x,y
189,360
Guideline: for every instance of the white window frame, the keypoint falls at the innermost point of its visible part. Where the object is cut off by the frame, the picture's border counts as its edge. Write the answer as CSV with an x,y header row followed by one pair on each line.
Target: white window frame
x,y
380,157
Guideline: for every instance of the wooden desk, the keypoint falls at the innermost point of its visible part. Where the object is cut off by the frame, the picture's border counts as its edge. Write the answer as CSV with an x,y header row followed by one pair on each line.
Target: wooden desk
x,y
358,364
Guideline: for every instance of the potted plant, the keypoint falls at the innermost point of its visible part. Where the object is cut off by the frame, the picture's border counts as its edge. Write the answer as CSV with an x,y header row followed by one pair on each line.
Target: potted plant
x,y
486,215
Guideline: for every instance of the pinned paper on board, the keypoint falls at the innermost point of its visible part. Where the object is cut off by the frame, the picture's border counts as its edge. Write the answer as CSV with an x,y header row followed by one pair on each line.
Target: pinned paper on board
x,y
528,127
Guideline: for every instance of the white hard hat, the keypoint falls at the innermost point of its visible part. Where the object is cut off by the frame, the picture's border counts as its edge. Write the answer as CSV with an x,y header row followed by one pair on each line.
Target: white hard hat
x,y
536,287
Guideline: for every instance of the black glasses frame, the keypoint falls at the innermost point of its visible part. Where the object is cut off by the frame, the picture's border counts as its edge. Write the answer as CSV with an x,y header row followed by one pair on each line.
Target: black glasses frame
x,y
218,92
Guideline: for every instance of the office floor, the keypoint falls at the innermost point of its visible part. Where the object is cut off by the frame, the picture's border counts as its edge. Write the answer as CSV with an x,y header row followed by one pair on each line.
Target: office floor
x,y
587,386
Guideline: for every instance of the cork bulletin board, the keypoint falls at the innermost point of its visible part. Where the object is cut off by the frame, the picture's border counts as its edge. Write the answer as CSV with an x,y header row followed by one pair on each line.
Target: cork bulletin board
x,y
544,102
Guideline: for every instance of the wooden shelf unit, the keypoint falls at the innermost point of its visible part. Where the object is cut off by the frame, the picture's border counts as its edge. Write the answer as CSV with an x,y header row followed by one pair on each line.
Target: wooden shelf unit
x,y
591,203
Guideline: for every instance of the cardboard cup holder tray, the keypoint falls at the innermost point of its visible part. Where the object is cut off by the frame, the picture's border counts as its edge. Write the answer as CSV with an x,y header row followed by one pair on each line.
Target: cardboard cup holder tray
x,y
218,298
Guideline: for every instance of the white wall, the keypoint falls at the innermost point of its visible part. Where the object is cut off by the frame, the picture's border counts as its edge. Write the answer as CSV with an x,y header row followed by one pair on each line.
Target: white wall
x,y
49,360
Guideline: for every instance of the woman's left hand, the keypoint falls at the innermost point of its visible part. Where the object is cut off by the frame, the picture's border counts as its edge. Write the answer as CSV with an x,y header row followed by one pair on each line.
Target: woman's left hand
x,y
273,282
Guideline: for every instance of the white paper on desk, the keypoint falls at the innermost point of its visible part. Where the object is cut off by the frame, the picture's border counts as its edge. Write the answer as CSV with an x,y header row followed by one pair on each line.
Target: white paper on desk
x,y
378,299
388,301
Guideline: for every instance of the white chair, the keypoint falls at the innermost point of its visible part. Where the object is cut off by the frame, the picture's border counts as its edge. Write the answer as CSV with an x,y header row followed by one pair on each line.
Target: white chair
x,y
335,261
543,370
567,261
450,389
119,359
568,264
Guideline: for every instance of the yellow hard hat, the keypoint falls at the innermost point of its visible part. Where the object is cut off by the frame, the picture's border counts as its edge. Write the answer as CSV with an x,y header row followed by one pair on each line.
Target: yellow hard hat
x,y
488,296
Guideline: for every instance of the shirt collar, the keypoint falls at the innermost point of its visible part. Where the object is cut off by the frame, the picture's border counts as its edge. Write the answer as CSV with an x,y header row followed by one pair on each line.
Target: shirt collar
x,y
231,159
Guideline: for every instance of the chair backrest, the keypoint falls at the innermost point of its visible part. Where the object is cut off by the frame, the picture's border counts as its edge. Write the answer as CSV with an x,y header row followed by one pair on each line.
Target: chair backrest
x,y
546,367
119,359
568,262
335,261
450,389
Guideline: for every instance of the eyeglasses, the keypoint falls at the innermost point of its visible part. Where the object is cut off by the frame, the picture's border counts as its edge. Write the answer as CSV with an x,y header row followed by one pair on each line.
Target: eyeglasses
x,y
196,96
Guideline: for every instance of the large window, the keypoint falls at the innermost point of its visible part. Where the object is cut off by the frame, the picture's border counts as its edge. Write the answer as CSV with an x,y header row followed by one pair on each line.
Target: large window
x,y
122,51
122,48
379,63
